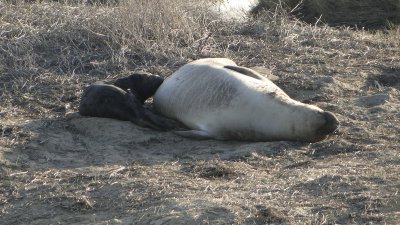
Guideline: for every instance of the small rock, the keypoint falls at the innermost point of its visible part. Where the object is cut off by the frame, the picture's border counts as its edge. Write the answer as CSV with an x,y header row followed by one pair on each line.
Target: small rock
x,y
373,100
377,109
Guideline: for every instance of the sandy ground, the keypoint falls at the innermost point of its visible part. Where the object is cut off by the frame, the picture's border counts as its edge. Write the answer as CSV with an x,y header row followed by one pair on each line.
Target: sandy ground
x,y
78,170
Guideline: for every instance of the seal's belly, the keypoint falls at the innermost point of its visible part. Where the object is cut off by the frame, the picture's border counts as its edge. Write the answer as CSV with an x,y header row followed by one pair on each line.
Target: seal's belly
x,y
232,122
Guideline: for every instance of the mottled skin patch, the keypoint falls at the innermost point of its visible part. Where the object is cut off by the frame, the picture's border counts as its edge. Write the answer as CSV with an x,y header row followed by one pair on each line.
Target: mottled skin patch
x,y
221,86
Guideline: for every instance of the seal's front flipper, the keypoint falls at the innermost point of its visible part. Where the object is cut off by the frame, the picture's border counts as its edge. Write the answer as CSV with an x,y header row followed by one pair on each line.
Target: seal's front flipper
x,y
246,71
194,134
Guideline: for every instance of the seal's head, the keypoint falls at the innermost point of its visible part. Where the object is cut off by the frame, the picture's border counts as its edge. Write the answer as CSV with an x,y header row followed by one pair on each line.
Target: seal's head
x,y
142,84
302,122
330,125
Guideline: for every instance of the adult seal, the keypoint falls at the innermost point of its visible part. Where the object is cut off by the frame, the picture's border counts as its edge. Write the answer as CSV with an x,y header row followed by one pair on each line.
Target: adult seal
x,y
217,99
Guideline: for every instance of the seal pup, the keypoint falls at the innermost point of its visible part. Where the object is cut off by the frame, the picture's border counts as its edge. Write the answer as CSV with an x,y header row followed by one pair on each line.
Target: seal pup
x,y
143,85
126,101
218,99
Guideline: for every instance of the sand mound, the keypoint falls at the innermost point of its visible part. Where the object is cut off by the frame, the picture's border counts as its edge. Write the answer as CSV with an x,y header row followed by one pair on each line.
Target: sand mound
x,y
83,141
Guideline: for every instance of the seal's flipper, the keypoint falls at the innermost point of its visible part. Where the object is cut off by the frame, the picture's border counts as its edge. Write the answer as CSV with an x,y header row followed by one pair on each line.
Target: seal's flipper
x,y
161,122
145,123
194,134
246,71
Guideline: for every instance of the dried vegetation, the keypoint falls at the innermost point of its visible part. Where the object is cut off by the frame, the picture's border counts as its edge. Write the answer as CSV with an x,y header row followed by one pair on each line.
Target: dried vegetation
x,y
55,169
355,13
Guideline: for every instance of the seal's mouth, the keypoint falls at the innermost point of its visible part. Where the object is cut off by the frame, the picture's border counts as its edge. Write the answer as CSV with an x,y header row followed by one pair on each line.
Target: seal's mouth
x,y
331,124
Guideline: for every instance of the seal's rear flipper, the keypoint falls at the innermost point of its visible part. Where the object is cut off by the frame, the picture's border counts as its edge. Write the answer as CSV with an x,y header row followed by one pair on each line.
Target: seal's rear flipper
x,y
194,134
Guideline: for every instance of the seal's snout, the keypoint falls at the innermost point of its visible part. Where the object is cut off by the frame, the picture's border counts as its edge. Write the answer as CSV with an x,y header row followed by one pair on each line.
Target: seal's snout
x,y
331,124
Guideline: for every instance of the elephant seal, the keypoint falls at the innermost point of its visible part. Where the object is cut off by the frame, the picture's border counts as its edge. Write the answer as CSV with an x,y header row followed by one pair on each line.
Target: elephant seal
x,y
218,99
111,101
143,85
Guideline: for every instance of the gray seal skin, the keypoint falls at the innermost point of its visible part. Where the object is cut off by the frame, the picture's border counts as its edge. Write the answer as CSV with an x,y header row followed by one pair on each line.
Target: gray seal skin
x,y
110,101
217,99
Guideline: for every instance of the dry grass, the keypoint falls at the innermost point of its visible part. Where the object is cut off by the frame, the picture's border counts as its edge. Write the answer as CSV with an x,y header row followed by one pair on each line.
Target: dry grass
x,y
50,48
57,170
355,13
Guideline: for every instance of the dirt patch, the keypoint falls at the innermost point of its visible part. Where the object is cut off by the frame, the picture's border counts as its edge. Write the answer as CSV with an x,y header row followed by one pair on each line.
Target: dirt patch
x,y
101,141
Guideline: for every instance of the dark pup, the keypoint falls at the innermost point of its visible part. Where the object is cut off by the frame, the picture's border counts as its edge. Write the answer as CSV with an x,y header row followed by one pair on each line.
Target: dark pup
x,y
143,85
124,101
